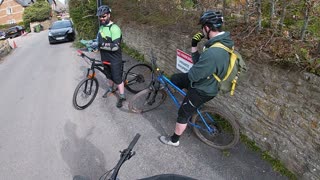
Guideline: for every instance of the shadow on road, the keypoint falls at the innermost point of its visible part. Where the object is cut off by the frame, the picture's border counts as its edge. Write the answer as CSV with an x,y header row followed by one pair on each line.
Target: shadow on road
x,y
84,159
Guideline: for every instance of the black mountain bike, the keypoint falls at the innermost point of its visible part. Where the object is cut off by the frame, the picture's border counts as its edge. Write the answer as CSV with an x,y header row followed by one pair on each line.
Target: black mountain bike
x,y
136,79
125,155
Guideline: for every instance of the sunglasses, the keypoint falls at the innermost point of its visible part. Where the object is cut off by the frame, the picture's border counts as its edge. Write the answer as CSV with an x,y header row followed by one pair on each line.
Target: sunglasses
x,y
103,16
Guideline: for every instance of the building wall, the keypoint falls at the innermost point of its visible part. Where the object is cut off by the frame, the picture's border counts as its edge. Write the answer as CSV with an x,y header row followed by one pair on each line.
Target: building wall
x,y
16,12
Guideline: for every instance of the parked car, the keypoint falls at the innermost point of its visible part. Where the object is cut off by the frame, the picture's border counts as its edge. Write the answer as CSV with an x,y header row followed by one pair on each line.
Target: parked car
x,y
15,31
61,31
2,35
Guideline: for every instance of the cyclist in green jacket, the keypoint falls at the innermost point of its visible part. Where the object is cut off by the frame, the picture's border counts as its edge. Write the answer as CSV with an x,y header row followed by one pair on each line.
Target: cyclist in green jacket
x,y
201,89
109,39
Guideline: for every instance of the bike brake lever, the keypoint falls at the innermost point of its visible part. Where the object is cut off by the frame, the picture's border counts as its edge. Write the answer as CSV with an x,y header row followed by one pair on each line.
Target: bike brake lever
x,y
129,155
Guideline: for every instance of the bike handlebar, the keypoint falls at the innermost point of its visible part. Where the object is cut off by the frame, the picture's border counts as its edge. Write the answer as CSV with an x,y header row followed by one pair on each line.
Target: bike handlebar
x,y
126,154
82,54
134,141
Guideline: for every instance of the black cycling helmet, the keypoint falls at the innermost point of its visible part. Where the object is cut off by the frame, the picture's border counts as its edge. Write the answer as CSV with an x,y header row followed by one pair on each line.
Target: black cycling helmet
x,y
211,18
103,9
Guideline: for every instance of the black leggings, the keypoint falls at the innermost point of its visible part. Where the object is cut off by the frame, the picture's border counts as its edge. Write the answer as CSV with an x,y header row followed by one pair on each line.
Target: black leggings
x,y
192,101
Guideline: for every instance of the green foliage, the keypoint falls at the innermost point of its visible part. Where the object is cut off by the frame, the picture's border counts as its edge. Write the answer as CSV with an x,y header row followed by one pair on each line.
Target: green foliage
x,y
187,4
39,11
183,17
226,153
314,26
132,53
83,14
164,13
276,164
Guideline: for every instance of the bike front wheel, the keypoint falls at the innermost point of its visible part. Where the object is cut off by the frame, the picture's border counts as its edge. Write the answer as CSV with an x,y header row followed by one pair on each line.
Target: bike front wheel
x,y
220,131
147,100
85,93
138,78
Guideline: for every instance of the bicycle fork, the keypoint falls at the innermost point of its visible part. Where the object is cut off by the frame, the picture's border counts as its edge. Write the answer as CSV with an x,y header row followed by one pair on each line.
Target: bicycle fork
x,y
151,98
88,90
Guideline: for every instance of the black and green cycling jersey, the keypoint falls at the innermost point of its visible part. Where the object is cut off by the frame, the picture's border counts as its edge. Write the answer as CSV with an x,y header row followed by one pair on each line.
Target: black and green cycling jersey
x,y
109,38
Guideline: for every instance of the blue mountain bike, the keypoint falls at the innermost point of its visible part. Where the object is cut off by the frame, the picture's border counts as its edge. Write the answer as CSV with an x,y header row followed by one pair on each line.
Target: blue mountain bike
x,y
212,125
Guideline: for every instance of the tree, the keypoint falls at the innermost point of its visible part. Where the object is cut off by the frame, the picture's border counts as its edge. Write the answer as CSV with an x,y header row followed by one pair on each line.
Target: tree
x,y
83,14
39,11
283,12
272,11
259,12
307,11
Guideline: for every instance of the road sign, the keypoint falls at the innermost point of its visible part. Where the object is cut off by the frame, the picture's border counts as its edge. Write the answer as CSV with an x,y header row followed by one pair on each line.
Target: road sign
x,y
184,61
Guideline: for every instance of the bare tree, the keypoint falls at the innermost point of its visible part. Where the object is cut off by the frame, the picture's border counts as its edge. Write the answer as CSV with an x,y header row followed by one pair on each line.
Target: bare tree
x,y
284,5
246,12
272,10
259,12
307,13
224,6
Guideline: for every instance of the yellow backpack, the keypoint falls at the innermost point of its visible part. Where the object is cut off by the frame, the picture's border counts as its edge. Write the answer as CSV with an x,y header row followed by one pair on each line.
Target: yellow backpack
x,y
236,67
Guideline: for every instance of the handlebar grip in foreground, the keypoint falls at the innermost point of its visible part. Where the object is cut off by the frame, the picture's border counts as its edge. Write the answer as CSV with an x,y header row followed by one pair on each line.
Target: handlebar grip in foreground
x,y
80,52
134,141
125,155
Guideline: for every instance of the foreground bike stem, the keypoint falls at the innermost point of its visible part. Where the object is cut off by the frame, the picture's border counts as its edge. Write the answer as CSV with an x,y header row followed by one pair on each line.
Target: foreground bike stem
x,y
126,154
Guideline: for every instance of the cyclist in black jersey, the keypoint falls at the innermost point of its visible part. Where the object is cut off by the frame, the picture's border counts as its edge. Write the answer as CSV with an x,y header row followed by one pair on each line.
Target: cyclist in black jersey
x,y
109,39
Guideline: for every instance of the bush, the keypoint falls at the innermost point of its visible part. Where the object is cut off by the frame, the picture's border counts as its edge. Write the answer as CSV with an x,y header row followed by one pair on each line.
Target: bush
x,y
83,14
39,11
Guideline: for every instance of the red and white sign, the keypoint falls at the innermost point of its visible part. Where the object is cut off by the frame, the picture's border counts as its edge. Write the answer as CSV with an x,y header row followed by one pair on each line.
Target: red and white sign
x,y
184,61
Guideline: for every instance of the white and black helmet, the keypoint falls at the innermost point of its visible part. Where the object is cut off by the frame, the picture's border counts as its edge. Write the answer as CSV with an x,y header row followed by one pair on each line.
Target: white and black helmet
x,y
103,9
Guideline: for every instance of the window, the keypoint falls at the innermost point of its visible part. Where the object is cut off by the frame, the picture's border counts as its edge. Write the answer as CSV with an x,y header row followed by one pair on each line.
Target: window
x,y
9,10
12,21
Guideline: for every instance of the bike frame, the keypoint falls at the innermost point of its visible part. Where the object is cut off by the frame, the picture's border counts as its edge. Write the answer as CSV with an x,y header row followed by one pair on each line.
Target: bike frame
x,y
94,65
166,83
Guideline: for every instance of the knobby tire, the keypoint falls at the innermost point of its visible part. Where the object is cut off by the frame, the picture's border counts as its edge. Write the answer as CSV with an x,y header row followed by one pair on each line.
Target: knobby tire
x,y
89,93
143,101
138,78
227,128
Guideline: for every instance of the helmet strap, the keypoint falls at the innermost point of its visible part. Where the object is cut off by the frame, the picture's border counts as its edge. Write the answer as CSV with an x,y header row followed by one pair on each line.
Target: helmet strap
x,y
208,32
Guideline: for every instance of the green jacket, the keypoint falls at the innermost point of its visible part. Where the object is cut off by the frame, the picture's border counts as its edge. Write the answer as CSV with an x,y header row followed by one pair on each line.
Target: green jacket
x,y
211,60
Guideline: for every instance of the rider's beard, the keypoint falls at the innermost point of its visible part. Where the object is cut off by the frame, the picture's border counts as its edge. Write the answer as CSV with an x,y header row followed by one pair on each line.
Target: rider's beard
x,y
105,22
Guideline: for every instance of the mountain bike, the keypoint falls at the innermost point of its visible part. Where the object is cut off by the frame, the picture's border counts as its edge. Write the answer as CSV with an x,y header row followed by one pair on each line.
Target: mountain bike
x,y
136,79
213,125
125,155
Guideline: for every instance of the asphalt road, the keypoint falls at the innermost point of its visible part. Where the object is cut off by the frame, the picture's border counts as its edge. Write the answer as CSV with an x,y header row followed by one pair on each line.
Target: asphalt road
x,y
43,137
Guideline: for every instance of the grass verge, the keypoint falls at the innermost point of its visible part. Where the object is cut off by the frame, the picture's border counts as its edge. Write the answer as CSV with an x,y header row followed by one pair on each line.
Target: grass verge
x,y
276,164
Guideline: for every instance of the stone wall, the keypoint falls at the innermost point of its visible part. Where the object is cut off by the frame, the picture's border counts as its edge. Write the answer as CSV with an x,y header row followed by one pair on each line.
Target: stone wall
x,y
278,109
5,48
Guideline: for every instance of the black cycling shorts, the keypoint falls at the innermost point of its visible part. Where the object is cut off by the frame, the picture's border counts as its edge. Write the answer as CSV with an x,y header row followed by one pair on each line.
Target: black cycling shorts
x,y
114,72
191,102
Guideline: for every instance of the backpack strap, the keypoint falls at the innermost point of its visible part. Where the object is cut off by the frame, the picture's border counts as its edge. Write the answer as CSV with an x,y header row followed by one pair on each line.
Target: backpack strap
x,y
233,58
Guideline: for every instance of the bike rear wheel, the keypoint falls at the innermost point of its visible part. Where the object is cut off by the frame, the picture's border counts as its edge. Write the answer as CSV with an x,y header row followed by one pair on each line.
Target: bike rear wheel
x,y
138,78
225,133
85,93
147,100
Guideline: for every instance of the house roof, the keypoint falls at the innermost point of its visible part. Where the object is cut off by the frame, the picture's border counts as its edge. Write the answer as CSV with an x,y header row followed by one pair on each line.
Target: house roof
x,y
24,3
